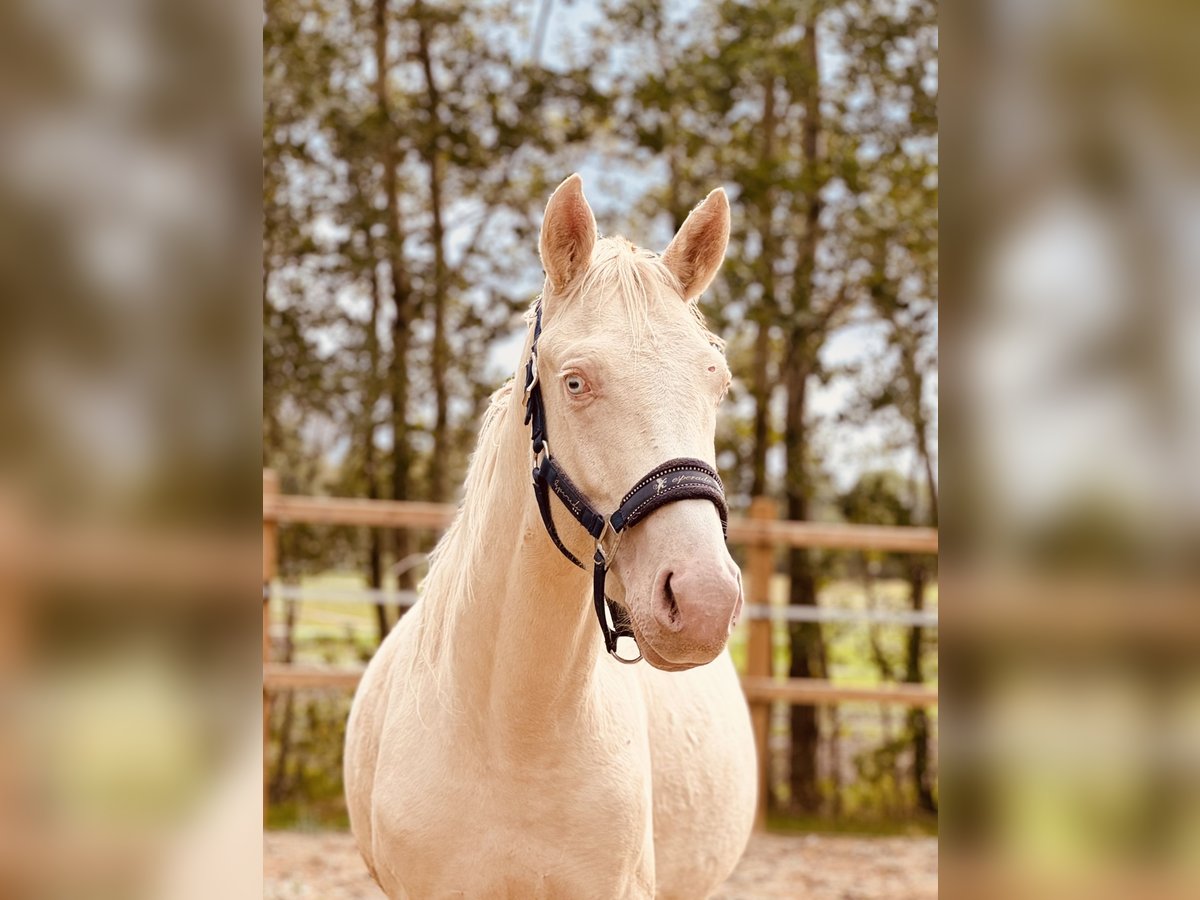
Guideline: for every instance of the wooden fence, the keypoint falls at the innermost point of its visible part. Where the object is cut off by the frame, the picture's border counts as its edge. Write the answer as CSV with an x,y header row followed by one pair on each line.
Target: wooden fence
x,y
761,532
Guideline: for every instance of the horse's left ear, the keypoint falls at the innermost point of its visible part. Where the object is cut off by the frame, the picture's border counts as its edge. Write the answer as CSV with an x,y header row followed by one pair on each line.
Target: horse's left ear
x,y
697,251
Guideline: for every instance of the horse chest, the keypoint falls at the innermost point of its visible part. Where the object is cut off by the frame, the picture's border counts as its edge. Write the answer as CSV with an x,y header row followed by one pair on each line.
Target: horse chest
x,y
549,821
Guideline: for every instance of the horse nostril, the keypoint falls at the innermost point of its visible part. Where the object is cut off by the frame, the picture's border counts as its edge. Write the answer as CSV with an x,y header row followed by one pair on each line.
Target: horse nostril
x,y
671,606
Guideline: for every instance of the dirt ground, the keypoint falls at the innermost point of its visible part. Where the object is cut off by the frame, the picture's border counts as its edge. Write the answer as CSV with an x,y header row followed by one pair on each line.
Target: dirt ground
x,y
806,867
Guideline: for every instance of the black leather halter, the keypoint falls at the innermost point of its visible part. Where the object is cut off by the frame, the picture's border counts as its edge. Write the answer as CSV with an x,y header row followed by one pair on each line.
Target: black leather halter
x,y
674,480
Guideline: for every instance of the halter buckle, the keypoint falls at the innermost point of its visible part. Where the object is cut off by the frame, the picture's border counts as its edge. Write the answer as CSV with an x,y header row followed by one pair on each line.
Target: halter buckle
x,y
614,536
532,380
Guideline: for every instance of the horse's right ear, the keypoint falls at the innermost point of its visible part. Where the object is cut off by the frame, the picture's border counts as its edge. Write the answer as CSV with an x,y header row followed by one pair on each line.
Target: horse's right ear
x,y
568,234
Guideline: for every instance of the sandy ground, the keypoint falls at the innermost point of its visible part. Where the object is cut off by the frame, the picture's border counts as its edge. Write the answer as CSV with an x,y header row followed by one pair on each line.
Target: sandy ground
x,y
801,867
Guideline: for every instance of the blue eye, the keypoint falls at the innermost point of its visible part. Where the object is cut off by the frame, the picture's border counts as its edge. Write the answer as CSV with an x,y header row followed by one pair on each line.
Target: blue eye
x,y
575,384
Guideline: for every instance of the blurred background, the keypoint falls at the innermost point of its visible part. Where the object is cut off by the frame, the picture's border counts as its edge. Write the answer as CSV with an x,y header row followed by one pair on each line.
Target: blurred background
x,y
130,227
1069,246
129,403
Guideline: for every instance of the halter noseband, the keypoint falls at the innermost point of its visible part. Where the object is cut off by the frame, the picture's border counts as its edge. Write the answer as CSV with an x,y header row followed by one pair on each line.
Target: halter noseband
x,y
674,480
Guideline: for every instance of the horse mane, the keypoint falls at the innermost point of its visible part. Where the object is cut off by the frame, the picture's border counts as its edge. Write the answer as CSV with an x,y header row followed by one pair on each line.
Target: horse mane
x,y
452,562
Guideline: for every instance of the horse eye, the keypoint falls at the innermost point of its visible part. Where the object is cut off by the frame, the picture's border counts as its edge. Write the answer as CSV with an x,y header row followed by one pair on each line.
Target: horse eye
x,y
575,384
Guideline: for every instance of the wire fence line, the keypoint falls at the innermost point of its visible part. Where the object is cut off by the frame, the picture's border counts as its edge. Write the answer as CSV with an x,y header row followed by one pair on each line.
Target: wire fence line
x,y
840,614
823,614
370,596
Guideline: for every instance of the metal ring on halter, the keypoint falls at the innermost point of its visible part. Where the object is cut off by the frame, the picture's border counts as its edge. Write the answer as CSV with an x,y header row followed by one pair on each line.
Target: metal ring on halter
x,y
628,662
539,455
609,552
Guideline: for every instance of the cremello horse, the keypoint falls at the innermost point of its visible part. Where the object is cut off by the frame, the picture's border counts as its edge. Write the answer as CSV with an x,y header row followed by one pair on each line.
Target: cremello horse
x,y
494,749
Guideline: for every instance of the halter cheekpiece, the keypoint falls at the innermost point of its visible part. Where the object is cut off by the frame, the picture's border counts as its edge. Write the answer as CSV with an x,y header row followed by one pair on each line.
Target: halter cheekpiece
x,y
674,480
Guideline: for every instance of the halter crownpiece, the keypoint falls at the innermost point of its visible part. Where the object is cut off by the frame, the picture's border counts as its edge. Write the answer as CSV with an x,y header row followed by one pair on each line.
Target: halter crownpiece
x,y
674,480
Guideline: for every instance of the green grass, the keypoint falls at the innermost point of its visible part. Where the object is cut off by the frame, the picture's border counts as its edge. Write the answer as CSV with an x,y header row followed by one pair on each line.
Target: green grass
x,y
913,826
330,815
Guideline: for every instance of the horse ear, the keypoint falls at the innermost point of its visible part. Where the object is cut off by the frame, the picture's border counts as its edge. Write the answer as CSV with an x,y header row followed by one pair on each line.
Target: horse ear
x,y
697,251
568,234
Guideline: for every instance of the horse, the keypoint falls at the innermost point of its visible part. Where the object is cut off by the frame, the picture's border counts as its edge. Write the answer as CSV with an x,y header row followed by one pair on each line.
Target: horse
x,y
494,749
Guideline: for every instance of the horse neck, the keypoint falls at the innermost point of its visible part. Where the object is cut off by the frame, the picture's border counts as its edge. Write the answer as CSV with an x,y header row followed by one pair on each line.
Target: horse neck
x,y
523,649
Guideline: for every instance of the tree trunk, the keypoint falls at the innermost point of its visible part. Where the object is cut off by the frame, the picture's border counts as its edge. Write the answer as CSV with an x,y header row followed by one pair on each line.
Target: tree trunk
x,y
807,651
278,785
762,410
269,428
807,643
770,302
539,31
677,207
439,360
920,423
401,285
371,455
918,718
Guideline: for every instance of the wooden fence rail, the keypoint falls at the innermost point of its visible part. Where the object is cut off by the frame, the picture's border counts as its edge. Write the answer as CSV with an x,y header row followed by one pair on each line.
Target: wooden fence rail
x,y
746,531
761,532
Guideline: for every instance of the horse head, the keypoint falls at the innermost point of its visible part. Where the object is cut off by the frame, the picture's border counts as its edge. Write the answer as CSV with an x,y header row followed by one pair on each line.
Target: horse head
x,y
630,378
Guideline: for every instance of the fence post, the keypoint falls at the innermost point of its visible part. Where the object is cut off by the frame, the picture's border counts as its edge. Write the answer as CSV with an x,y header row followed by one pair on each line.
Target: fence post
x,y
270,558
760,566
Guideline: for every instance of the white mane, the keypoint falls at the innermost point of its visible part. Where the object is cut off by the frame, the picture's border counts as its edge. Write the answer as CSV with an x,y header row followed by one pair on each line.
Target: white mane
x,y
456,555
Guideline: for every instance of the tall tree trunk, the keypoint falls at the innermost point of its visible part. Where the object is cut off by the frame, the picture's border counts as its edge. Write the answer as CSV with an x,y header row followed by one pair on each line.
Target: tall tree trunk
x,y
807,644
439,361
279,781
918,718
269,427
927,464
886,673
767,309
401,285
676,206
807,651
762,409
370,454
920,423
539,31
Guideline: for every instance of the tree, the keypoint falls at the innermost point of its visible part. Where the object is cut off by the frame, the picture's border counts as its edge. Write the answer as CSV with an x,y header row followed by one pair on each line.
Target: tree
x,y
384,119
888,498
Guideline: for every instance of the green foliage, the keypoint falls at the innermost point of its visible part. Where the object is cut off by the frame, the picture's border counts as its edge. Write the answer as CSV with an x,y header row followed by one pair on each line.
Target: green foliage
x,y
672,93
307,791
